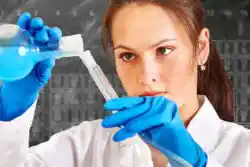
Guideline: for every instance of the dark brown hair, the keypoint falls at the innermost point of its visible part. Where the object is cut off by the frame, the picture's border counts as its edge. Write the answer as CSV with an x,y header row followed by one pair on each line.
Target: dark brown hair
x,y
214,81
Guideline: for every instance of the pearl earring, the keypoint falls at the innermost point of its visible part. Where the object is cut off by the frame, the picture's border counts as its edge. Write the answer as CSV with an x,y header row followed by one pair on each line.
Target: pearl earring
x,y
203,67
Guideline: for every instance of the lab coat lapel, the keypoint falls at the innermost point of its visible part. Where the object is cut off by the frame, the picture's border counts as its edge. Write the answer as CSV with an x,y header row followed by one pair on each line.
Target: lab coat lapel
x,y
205,126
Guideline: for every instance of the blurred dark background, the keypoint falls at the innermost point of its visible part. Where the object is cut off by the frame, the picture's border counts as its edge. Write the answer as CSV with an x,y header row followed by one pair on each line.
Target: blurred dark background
x,y
71,95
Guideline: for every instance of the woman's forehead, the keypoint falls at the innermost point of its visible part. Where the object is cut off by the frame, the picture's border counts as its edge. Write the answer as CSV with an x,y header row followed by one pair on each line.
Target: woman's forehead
x,y
148,23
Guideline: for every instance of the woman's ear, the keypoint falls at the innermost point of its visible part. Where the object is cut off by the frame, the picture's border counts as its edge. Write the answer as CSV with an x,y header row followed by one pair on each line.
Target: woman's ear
x,y
202,52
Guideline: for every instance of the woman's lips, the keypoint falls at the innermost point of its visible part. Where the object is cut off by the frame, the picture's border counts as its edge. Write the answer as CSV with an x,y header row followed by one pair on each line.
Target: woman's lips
x,y
153,93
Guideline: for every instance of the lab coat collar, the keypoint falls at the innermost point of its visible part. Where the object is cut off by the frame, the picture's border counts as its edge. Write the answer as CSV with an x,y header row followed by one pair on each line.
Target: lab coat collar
x,y
205,126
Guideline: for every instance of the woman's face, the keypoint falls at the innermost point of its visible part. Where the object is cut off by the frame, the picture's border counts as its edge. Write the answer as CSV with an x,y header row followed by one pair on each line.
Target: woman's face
x,y
153,53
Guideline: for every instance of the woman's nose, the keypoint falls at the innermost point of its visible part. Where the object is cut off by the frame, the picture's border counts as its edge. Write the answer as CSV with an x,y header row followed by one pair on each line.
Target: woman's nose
x,y
150,72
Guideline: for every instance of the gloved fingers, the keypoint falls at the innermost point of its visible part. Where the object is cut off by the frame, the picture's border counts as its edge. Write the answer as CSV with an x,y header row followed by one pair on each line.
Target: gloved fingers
x,y
123,116
157,103
24,21
158,100
146,123
159,114
48,38
127,132
123,134
164,106
54,34
123,103
46,64
36,23
42,36
149,136
43,70
151,106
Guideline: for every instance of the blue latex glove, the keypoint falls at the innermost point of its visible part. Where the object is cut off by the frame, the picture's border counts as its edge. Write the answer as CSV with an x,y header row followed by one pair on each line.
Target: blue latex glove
x,y
157,121
17,96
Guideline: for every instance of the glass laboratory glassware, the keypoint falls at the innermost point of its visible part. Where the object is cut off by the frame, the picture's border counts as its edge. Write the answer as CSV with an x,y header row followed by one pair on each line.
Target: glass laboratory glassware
x,y
19,54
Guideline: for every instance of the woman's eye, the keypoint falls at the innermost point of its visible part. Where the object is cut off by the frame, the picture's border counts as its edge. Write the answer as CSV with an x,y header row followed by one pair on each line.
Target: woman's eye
x,y
127,56
163,51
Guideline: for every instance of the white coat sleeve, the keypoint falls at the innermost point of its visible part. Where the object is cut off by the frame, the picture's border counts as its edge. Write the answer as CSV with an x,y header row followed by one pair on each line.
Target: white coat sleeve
x,y
211,162
64,149
233,150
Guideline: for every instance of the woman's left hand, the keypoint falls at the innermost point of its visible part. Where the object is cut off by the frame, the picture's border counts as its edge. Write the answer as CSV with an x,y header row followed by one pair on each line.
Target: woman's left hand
x,y
157,120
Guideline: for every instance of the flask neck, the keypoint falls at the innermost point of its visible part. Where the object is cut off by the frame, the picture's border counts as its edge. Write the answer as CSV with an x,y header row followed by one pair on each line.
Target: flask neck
x,y
43,55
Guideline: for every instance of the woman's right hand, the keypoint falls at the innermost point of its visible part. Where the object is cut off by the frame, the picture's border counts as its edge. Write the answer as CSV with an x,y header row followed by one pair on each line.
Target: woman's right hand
x,y
17,96
46,38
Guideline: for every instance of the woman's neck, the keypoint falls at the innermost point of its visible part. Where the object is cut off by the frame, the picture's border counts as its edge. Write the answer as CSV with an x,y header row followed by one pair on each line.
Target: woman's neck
x,y
189,110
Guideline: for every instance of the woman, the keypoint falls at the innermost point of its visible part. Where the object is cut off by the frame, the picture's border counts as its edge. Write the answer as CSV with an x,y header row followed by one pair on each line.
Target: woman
x,y
179,96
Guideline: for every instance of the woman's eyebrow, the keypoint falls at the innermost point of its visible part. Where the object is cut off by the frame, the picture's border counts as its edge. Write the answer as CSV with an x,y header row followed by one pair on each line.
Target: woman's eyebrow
x,y
152,46
162,41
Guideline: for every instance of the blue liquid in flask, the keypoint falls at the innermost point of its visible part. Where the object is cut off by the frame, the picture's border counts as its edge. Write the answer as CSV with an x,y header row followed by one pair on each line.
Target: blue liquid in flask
x,y
18,61
19,54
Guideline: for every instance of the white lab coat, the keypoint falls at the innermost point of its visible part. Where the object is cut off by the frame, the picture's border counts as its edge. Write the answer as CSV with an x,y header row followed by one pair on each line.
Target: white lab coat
x,y
90,145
